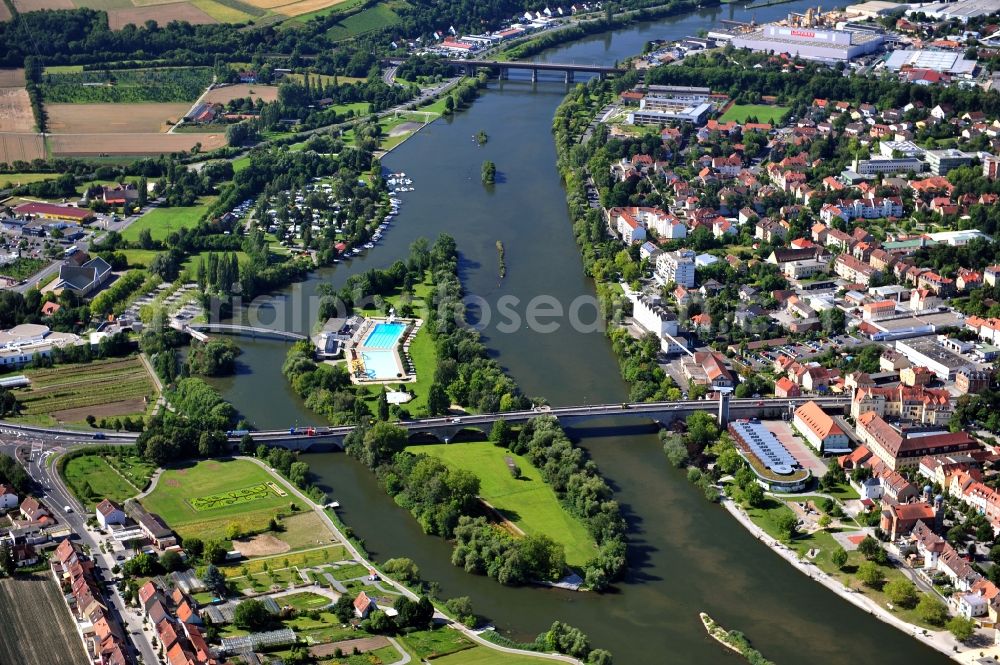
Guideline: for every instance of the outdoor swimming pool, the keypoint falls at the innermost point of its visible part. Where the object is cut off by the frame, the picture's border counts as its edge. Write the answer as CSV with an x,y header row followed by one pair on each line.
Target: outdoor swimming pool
x,y
380,365
384,336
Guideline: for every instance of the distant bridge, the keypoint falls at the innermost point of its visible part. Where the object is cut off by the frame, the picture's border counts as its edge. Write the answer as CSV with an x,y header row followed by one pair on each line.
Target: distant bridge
x,y
247,331
503,67
651,412
445,429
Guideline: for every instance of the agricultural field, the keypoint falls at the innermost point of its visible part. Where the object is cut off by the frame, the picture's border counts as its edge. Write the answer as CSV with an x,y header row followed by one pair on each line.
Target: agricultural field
x,y
162,14
15,110
5,14
35,5
303,7
269,93
35,625
98,145
373,18
126,86
179,490
11,78
69,393
527,502
334,8
21,147
161,222
113,118
91,479
229,11
304,559
762,112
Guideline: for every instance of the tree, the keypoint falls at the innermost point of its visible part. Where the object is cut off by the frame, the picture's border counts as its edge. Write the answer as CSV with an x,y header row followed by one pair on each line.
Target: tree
x,y
194,547
869,548
753,495
403,569
344,608
252,615
438,401
932,611
212,443
902,593
599,657
215,580
383,406
171,561
7,564
839,557
461,607
489,172
961,627
870,574
215,552
233,531
501,433
788,525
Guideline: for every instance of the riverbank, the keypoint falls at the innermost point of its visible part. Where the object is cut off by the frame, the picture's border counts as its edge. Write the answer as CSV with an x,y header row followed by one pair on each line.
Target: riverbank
x,y
940,640
356,554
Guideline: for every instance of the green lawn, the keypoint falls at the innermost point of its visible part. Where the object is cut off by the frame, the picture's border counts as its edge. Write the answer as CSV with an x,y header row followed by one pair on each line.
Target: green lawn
x,y
373,18
528,502
92,480
763,113
161,222
15,179
171,499
487,656
139,258
241,163
433,644
275,563
304,601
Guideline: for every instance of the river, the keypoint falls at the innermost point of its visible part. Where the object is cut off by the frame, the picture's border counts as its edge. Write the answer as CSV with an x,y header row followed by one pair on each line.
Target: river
x,y
685,555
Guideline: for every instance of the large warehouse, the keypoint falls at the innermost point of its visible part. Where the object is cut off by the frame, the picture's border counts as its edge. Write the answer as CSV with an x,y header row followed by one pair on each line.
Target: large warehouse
x,y
810,43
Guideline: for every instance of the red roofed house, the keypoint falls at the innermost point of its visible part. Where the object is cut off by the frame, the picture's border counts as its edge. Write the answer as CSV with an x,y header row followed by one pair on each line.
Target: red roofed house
x,y
900,520
363,605
820,429
784,387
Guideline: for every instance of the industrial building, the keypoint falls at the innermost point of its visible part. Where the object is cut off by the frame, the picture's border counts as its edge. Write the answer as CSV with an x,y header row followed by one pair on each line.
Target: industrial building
x,y
826,45
947,62
962,10
928,352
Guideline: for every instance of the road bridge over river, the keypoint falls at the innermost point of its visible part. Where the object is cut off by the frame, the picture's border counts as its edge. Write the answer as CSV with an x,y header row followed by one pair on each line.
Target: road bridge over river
x,y
502,68
447,428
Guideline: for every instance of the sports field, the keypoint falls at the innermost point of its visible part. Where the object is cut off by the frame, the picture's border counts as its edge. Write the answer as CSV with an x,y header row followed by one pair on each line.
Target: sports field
x,y
69,393
528,502
161,222
181,497
763,113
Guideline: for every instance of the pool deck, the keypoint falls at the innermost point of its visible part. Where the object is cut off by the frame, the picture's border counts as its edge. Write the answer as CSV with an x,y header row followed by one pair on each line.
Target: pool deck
x,y
356,347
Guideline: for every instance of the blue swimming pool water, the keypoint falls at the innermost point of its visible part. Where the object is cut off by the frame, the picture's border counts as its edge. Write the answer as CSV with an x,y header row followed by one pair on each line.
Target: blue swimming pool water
x,y
380,364
384,336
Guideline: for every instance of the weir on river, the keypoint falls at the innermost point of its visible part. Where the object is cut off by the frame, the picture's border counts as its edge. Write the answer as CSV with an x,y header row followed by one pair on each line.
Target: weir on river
x,y
685,554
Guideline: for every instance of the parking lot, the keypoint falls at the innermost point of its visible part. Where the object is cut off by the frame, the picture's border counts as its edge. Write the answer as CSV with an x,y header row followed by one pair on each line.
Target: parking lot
x,y
797,446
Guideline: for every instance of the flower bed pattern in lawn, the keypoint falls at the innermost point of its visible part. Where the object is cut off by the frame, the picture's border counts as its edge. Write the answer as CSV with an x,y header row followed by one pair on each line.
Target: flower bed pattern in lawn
x,y
171,499
231,498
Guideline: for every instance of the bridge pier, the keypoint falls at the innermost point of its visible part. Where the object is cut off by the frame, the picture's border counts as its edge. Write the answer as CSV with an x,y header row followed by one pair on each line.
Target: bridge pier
x,y
723,416
504,73
534,76
569,76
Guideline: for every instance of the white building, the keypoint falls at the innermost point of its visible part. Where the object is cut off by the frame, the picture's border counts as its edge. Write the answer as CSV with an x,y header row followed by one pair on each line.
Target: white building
x,y
107,513
677,267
